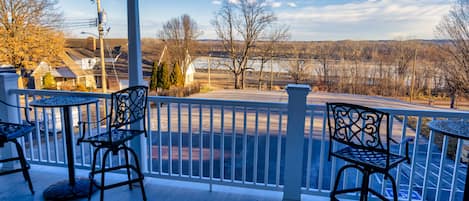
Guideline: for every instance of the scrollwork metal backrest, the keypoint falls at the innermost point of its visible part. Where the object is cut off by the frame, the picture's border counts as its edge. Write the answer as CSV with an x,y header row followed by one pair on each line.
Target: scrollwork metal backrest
x,y
356,125
128,105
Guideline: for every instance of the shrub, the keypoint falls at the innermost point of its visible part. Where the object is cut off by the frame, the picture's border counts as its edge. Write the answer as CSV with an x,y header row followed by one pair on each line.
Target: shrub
x,y
164,81
176,76
154,77
81,87
48,81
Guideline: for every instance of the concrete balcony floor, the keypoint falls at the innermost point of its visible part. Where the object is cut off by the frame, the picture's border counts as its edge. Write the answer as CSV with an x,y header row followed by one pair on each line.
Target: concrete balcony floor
x,y
14,187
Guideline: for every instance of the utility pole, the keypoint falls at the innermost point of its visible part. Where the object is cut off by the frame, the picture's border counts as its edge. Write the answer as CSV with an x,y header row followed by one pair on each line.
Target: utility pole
x,y
209,57
271,71
101,46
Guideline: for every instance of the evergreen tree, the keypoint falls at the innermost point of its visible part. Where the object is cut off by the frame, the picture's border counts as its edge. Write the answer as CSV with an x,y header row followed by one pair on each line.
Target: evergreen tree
x,y
164,77
154,77
176,76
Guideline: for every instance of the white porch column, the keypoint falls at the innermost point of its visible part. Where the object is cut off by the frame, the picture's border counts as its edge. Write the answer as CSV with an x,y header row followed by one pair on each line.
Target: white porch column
x,y
136,72
8,81
294,141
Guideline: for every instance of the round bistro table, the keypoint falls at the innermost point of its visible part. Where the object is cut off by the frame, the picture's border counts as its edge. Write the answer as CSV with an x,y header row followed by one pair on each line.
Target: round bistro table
x,y
458,129
72,188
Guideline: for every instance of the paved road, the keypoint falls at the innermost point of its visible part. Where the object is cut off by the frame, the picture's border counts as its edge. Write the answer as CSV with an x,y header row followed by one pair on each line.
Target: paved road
x,y
313,98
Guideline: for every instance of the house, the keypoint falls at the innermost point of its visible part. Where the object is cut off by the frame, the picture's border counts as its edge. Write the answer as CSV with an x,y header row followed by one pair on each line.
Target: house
x,y
68,76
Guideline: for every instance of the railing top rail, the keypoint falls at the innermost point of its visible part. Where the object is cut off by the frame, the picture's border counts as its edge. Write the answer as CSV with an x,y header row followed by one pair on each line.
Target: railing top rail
x,y
445,113
58,93
218,102
437,112
163,99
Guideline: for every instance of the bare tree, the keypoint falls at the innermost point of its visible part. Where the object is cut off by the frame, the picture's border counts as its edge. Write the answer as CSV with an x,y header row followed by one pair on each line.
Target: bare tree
x,y
324,54
180,36
298,67
269,48
455,26
28,33
239,26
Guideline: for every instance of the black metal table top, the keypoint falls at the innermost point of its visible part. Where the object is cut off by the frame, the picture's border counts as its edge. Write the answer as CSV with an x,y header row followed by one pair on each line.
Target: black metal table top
x,y
453,128
62,101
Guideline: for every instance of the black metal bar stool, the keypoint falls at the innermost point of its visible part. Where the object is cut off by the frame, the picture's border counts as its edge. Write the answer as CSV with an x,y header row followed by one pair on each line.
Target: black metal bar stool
x,y
128,106
10,132
357,132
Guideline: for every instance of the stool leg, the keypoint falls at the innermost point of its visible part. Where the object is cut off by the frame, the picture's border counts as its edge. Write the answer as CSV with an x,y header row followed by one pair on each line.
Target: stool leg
x,y
336,183
24,166
394,187
139,172
91,176
103,170
365,183
127,165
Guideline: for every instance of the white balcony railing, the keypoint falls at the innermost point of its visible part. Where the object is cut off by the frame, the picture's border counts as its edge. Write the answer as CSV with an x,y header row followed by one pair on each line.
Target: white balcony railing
x,y
242,143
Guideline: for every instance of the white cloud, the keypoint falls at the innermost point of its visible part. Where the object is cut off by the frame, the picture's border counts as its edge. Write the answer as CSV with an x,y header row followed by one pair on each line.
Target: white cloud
x,y
216,2
291,4
276,4
234,1
384,18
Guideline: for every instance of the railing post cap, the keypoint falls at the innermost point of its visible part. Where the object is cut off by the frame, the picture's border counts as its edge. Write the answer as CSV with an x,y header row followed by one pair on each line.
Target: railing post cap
x,y
298,88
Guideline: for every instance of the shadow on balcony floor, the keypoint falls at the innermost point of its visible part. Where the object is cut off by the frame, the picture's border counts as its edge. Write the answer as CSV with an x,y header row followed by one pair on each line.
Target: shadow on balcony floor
x,y
15,188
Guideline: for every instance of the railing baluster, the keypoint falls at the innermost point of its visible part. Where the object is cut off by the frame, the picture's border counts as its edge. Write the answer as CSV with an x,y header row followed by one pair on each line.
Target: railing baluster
x,y
46,135
30,135
439,184
54,132
309,156
455,170
189,121
82,148
211,144
414,156
222,143
201,143
180,140
160,149
64,136
245,146
256,145
427,163
18,102
401,150
322,152
233,144
150,137
267,149
88,118
170,140
38,136
279,150
333,167
383,181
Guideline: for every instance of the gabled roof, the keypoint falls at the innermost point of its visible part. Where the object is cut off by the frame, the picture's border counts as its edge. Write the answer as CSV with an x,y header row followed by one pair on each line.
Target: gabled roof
x,y
65,72
75,68
44,68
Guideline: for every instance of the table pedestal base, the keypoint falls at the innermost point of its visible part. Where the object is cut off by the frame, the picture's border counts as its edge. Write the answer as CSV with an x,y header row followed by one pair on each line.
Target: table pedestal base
x,y
64,191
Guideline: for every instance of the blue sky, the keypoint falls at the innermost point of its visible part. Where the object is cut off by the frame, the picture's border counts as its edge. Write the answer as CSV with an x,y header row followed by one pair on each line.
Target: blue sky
x,y
308,19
